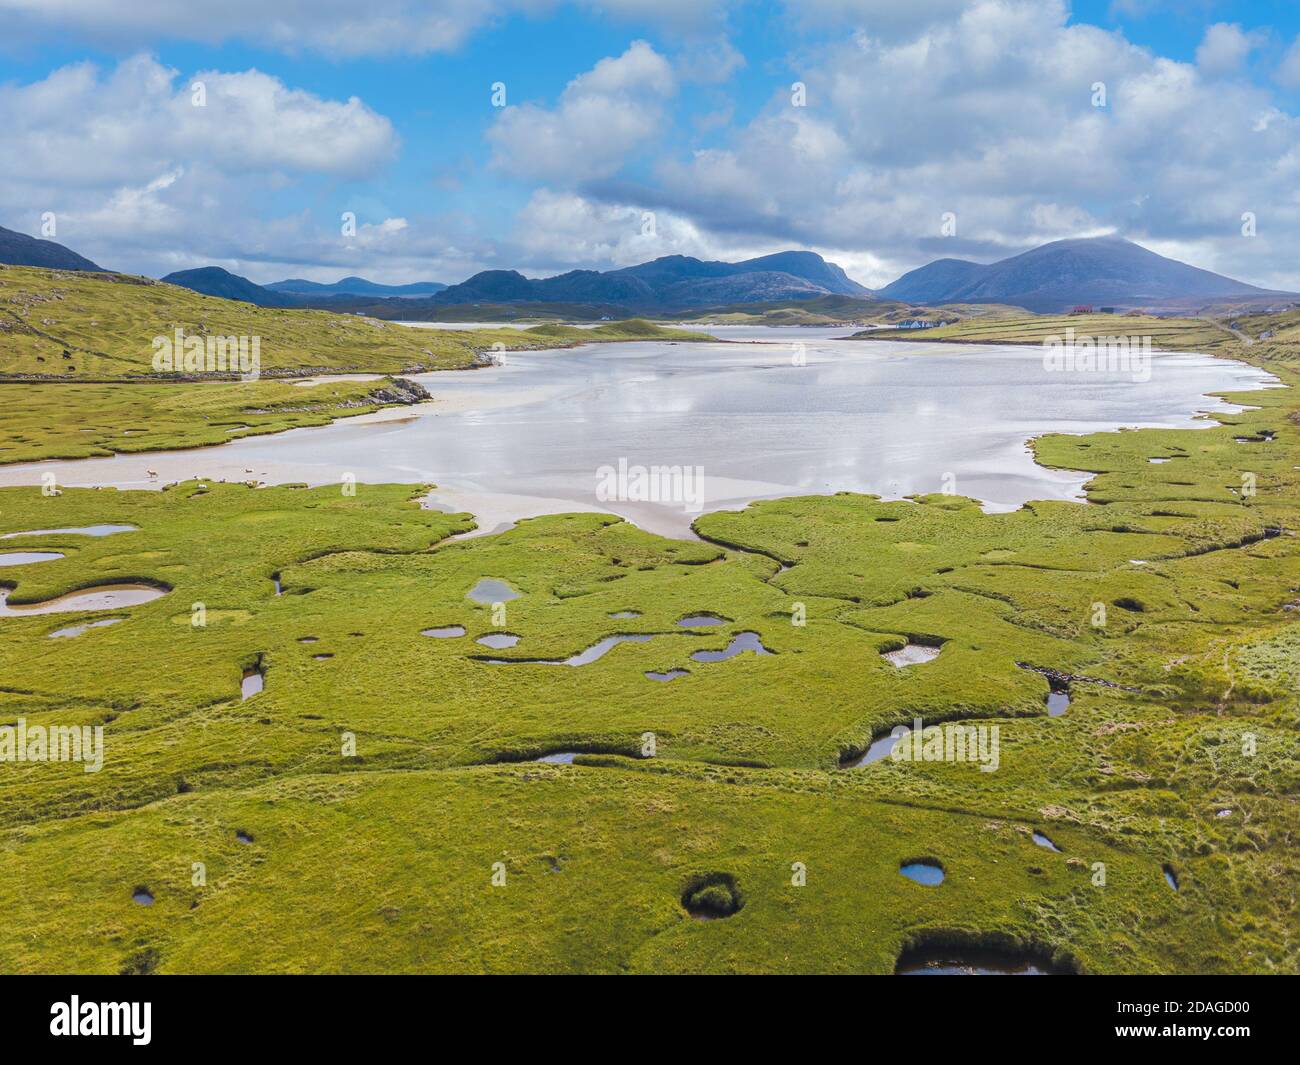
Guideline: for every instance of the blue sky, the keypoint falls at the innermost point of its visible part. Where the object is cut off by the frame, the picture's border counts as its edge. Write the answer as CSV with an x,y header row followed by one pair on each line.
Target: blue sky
x,y
630,108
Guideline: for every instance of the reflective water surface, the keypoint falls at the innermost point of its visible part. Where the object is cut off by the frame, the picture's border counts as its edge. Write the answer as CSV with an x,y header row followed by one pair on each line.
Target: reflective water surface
x,y
890,417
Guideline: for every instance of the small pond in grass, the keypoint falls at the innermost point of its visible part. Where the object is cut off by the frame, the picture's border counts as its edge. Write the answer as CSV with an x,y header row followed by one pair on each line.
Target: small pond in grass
x,y
489,590
1043,841
444,632
877,751
603,647
596,651
28,558
77,630
923,872
740,643
102,597
912,654
498,640
254,681
80,530
969,961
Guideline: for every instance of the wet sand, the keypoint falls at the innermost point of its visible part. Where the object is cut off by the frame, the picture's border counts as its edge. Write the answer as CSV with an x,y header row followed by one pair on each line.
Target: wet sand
x,y
530,436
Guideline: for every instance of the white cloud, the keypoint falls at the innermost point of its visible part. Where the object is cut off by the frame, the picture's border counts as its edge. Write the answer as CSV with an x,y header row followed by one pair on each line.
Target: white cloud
x,y
990,117
333,27
557,231
1288,71
139,119
392,250
1223,48
880,18
686,15
709,61
981,108
602,116
338,27
129,165
252,119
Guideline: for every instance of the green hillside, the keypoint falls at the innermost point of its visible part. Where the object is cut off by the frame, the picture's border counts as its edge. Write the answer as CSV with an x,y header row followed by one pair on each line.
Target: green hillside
x,y
77,351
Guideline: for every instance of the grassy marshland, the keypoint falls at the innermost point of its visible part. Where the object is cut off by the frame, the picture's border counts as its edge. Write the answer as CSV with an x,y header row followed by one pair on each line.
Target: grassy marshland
x,y
69,421
385,861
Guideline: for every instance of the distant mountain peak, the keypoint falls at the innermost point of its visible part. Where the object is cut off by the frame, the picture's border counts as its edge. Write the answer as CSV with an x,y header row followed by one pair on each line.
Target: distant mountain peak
x,y
295,292
18,249
1103,270
215,281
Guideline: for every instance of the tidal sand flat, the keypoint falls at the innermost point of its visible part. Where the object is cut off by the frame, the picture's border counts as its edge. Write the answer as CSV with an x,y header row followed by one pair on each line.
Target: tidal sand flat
x,y
530,436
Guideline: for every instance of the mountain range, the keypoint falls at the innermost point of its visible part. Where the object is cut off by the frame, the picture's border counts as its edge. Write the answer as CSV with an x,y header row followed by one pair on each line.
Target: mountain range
x,y
1100,271
214,281
671,282
1065,273
354,286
